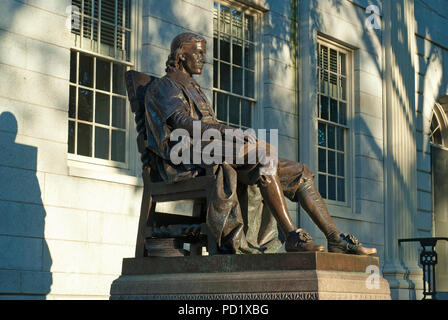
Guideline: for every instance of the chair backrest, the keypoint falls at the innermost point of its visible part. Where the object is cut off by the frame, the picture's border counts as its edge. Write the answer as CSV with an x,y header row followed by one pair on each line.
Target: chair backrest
x,y
136,84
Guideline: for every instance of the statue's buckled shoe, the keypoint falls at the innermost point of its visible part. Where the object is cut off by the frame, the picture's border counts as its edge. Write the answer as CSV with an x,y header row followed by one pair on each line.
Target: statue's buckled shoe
x,y
301,241
349,244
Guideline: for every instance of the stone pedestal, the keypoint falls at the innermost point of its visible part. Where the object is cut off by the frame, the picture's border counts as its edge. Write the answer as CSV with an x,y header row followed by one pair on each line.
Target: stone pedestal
x,y
301,276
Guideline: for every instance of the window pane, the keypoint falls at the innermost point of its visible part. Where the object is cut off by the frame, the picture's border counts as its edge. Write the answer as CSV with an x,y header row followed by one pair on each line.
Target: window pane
x,y
333,110
76,28
434,123
101,143
322,160
85,107
128,14
215,17
237,23
85,70
123,45
73,67
225,76
102,112
331,162
224,49
119,112
237,80
215,73
249,83
118,146
102,75
72,103
249,27
322,135
331,188
324,82
343,94
108,37
246,113
108,10
341,169
331,137
249,56
342,64
84,139
342,113
340,139
215,47
341,190
222,107
324,107
119,83
323,57
333,85
88,24
71,137
333,60
225,19
237,53
234,110
437,137
323,185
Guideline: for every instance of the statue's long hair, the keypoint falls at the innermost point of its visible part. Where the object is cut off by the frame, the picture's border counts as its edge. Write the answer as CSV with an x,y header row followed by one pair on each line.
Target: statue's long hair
x,y
177,49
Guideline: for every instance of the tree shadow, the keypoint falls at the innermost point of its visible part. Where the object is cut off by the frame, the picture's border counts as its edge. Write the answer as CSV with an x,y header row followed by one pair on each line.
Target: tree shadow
x,y
25,260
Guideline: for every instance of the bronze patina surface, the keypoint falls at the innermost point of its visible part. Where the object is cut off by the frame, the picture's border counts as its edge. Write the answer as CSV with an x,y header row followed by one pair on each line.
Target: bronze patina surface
x,y
247,200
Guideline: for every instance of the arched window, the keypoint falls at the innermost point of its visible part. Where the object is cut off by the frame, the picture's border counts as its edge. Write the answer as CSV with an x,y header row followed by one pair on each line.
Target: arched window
x,y
439,123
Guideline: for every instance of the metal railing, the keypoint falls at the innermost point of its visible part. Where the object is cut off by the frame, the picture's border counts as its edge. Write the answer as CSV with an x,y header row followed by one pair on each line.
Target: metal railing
x,y
428,259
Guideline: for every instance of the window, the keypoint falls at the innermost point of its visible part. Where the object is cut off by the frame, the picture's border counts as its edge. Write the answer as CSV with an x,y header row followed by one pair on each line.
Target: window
x,y
233,65
333,99
439,128
97,108
106,20
98,112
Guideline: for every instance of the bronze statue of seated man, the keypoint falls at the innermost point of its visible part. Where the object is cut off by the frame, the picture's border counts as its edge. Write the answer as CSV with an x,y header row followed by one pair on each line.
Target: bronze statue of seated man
x,y
176,101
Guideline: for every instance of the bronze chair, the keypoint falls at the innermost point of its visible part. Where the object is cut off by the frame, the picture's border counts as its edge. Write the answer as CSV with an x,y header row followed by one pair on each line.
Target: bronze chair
x,y
155,190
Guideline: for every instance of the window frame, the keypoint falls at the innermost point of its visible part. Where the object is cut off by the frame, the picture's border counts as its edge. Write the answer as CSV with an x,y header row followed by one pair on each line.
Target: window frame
x,y
94,90
91,167
256,116
441,117
349,167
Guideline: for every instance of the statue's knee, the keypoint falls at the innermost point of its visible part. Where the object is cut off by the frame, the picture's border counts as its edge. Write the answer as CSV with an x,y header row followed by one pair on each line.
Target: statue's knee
x,y
307,173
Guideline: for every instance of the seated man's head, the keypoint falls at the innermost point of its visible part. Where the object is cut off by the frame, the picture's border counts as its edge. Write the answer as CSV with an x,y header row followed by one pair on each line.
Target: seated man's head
x,y
187,54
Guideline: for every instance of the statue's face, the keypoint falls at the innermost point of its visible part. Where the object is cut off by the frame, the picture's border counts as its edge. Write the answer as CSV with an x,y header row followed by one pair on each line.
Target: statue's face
x,y
193,57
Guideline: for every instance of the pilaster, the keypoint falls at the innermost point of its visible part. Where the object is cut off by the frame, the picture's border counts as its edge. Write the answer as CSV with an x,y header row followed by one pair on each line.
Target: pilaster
x,y
400,191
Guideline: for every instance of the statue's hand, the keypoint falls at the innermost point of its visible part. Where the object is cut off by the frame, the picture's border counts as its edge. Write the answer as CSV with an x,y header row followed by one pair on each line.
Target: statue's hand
x,y
240,137
251,138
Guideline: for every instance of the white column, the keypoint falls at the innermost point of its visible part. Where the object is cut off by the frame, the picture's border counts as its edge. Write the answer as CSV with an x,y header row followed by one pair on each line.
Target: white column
x,y
401,264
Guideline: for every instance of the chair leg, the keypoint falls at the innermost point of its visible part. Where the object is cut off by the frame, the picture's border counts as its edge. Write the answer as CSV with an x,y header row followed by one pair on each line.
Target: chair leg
x,y
212,244
145,213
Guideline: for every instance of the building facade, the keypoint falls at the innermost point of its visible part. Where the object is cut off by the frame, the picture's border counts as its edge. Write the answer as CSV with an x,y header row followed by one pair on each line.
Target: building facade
x,y
357,89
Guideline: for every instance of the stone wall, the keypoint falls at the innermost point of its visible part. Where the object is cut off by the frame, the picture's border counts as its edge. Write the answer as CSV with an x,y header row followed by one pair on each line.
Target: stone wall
x,y
431,84
63,230
343,22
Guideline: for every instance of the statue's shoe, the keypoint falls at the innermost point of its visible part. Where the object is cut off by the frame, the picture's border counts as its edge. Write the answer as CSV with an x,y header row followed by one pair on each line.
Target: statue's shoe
x,y
349,244
301,241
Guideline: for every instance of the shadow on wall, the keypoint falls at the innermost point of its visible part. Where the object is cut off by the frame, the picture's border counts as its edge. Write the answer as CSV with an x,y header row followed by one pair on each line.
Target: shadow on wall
x,y
25,259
